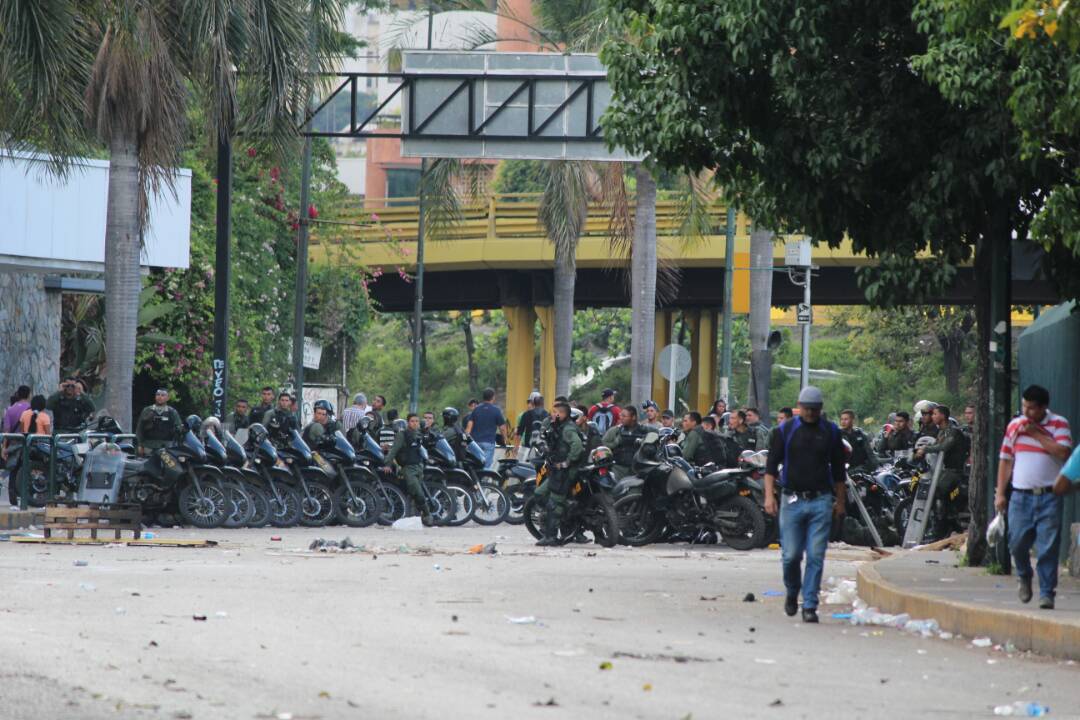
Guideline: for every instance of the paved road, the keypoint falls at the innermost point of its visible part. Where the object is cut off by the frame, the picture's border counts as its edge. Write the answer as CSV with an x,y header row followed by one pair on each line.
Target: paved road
x,y
402,634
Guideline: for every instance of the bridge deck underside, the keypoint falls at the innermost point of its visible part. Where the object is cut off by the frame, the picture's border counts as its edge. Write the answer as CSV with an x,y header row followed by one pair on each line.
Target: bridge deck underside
x,y
698,287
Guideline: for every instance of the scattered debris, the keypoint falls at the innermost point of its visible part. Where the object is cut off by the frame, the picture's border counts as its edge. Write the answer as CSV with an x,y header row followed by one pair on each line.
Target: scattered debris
x,y
647,687
982,642
87,587
1023,709
524,620
481,549
841,592
81,563
550,703
606,665
749,597
275,538
773,593
408,523
681,659
198,618
777,703
764,661
346,545
709,599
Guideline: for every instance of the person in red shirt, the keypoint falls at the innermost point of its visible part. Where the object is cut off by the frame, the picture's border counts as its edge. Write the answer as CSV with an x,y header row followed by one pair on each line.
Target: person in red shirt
x,y
605,413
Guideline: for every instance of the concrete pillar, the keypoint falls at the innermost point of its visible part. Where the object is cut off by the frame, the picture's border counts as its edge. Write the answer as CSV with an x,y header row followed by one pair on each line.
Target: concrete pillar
x,y
660,386
703,370
546,315
520,354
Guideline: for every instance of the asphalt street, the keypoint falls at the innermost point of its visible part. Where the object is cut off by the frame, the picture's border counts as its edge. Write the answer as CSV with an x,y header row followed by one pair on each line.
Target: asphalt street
x,y
413,627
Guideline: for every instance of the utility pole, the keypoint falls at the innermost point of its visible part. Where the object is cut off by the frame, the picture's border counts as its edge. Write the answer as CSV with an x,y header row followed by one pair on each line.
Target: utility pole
x,y
418,298
302,245
222,274
729,279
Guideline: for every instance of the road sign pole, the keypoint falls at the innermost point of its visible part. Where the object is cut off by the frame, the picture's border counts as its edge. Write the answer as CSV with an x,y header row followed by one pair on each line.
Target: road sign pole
x,y
804,372
729,279
671,383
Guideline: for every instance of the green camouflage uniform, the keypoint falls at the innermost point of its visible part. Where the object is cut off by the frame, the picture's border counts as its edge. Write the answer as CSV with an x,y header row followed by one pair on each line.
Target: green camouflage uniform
x,y
157,427
566,451
406,450
949,442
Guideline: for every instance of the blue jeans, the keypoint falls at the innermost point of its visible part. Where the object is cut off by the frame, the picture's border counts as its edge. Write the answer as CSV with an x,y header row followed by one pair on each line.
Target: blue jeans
x,y
1036,520
804,527
489,453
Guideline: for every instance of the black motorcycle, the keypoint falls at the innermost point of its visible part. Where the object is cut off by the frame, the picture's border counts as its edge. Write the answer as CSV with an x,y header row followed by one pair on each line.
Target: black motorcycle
x,y
316,499
278,483
589,505
250,505
476,488
179,477
667,493
65,473
355,497
393,503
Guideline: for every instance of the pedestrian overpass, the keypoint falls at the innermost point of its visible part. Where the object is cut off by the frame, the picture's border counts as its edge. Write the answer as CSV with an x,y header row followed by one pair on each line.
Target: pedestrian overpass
x,y
498,257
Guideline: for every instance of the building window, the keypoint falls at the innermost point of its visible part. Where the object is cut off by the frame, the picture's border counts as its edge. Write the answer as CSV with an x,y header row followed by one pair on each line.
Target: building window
x,y
402,182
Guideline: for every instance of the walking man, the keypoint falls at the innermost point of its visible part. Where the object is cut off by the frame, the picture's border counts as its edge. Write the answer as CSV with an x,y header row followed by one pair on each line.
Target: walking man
x,y
1035,447
812,492
484,424
406,451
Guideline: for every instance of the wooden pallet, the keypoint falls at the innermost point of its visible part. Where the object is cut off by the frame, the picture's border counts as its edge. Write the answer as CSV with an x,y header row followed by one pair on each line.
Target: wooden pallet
x,y
128,542
86,516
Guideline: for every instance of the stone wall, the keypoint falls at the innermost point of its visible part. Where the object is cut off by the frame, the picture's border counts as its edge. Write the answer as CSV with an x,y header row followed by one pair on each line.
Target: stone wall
x,y
29,335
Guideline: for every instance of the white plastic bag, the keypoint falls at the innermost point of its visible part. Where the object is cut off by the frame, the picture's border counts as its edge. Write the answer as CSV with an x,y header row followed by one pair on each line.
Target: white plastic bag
x,y
996,530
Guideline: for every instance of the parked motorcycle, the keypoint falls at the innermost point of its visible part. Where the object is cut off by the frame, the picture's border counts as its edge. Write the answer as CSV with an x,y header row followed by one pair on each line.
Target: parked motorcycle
x,y
250,506
589,505
355,497
316,499
477,488
278,483
666,492
393,504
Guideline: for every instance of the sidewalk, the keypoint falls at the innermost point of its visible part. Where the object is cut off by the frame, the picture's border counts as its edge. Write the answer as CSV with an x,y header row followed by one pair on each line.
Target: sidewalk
x,y
970,602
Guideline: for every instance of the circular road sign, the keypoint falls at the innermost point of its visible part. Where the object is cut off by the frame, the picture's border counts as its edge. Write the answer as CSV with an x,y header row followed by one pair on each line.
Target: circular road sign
x,y
674,362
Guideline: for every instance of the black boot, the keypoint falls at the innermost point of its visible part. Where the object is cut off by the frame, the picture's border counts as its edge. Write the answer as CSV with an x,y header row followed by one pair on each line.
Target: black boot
x,y
551,529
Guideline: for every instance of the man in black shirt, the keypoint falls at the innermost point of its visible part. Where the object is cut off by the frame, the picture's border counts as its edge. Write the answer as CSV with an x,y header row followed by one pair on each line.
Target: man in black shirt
x,y
535,413
812,492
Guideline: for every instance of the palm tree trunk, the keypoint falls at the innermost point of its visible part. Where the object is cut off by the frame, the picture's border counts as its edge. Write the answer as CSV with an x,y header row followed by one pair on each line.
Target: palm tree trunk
x,y
643,288
470,356
122,281
565,277
761,279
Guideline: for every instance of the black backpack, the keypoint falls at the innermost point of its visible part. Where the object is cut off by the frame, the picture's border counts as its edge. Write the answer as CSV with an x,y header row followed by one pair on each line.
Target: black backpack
x,y
722,449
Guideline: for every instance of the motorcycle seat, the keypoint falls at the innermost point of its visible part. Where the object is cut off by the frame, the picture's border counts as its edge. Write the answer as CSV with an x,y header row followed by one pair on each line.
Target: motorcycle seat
x,y
715,478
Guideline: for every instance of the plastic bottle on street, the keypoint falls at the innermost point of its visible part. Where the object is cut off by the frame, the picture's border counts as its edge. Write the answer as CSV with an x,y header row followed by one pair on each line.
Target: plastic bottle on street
x,y
1022,709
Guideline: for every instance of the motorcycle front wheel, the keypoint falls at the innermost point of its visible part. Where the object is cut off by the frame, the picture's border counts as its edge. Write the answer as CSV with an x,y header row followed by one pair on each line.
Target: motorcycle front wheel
x,y
517,494
491,504
393,505
359,508
443,504
206,510
317,507
284,507
638,524
464,505
741,523
599,517
260,505
239,505
535,513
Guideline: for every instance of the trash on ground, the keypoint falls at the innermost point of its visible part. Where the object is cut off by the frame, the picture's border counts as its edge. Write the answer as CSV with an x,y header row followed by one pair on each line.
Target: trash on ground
x,y
1022,709
764,661
88,587
647,687
81,563
120,611
982,642
332,546
606,665
841,592
149,535
576,652
221,614
523,620
749,597
773,593
841,616
408,523
198,618
275,538
777,703
482,549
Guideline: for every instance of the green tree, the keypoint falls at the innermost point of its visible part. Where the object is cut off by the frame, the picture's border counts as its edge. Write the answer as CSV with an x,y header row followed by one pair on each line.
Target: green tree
x,y
123,73
813,119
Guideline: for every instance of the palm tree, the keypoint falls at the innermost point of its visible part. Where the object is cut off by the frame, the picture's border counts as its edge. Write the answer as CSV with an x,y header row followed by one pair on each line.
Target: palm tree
x,y
127,74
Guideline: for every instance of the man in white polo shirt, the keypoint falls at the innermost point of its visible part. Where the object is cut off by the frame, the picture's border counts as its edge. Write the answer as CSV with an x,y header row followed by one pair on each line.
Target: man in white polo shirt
x,y
1036,445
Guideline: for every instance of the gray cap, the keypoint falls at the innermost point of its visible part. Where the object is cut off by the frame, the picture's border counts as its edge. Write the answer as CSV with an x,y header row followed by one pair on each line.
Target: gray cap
x,y
810,395
359,399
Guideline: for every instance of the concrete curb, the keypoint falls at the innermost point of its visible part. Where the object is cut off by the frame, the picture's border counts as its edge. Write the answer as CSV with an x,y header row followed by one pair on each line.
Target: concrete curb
x,y
1043,635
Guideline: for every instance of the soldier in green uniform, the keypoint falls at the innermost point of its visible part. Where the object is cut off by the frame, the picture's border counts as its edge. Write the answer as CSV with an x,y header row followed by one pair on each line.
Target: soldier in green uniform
x,y
322,426
281,420
739,431
950,441
761,432
566,451
158,424
70,406
693,445
451,430
239,418
900,438
406,450
862,455
623,440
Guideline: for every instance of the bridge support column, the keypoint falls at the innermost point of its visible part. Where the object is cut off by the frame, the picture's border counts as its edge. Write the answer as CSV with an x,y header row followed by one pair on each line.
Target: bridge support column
x,y
520,354
662,338
703,350
546,314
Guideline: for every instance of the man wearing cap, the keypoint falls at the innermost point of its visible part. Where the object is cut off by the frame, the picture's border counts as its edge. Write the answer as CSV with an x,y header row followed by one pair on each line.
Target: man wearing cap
x,y
535,414
811,454
667,419
651,420
352,415
605,413
158,424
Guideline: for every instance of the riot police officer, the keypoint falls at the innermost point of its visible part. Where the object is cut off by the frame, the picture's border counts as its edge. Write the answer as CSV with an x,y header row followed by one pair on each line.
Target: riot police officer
x,y
406,450
899,438
740,432
950,441
158,424
322,425
70,406
862,455
565,454
694,446
451,430
281,420
623,440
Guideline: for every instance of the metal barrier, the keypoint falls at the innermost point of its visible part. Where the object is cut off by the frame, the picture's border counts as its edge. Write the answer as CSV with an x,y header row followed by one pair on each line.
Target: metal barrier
x,y
24,466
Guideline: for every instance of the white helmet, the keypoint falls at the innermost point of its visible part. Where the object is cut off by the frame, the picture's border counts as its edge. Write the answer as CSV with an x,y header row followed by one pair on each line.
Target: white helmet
x,y
924,405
